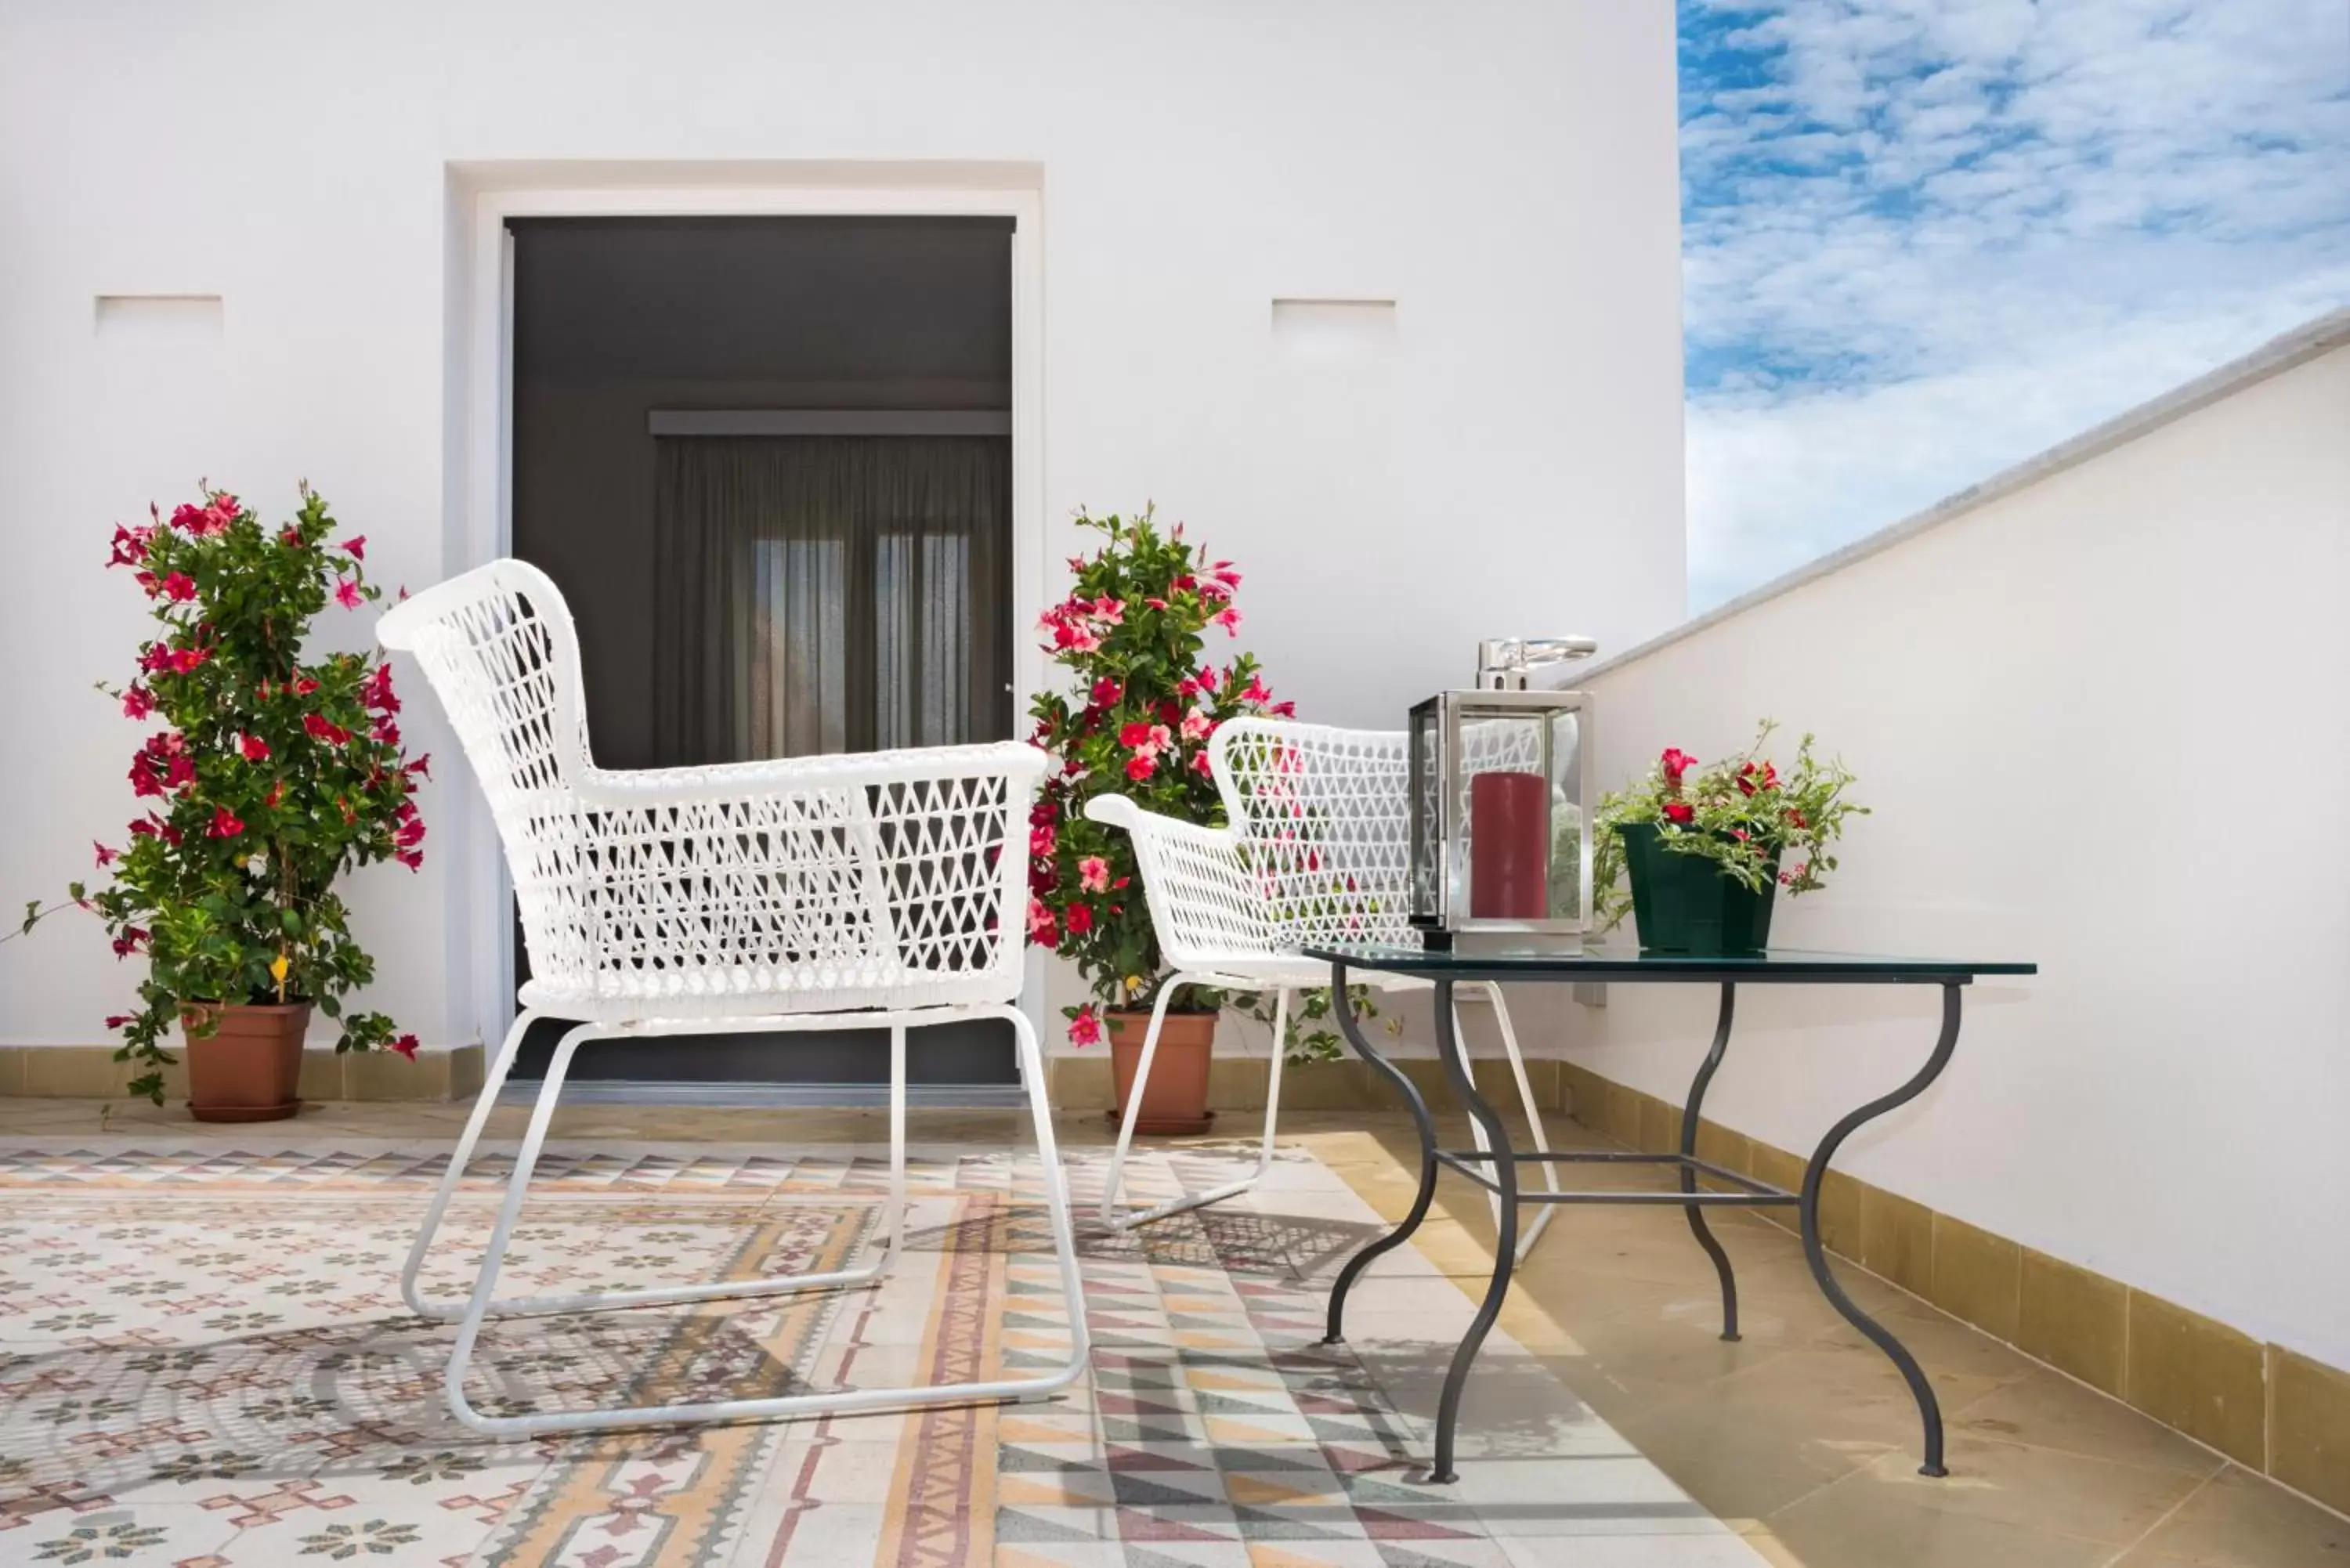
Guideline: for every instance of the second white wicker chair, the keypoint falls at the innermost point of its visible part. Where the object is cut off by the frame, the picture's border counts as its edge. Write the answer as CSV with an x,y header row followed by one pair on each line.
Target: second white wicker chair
x,y
1316,852
882,891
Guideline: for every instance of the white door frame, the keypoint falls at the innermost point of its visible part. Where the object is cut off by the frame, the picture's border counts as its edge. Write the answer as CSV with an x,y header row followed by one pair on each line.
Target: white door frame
x,y
483,529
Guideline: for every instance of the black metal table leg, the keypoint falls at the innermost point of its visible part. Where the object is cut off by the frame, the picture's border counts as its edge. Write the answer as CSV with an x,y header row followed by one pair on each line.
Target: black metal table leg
x,y
1506,1243
1930,1409
1688,1148
1351,1027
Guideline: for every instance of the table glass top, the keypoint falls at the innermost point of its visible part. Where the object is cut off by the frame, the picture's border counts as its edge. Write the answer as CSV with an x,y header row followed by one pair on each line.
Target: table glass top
x,y
1631,962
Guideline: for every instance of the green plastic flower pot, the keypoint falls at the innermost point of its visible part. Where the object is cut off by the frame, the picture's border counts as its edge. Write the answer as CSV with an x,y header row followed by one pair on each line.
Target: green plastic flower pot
x,y
1685,904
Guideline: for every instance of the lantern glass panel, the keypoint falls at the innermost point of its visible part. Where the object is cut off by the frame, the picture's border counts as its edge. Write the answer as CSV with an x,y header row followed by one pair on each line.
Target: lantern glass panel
x,y
1503,812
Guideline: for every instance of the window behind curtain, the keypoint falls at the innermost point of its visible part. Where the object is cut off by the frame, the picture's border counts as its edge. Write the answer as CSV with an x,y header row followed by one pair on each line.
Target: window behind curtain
x,y
821,593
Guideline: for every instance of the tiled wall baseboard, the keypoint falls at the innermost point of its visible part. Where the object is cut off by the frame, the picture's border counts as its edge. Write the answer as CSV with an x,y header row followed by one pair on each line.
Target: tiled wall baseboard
x,y
90,1072
2270,1409
1238,1083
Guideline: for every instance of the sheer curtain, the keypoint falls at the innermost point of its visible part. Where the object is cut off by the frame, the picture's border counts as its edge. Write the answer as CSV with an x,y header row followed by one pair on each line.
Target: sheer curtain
x,y
830,594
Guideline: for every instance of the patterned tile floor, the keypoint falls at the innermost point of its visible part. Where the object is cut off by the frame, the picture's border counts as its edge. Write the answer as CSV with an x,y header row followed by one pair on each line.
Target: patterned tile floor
x,y
204,1361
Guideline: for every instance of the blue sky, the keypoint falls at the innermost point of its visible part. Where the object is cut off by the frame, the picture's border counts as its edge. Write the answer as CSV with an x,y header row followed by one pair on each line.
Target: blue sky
x,y
1924,239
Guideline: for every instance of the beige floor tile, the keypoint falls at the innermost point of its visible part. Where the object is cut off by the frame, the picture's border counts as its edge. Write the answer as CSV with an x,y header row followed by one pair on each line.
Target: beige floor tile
x,y
2047,1409
1857,1524
2240,1521
2041,1489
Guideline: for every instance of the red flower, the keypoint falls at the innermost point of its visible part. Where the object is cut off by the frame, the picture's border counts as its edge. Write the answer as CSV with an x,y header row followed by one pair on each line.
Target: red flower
x,y
155,657
290,536
354,547
129,546
412,858
1135,735
320,728
1749,779
303,686
1200,764
1229,619
148,584
104,855
1079,920
118,1020
1679,811
1257,690
225,824
346,593
255,748
1042,842
180,588
144,827
178,769
277,793
144,781
1084,1026
1795,818
405,1046
1043,929
1677,762
182,661
387,731
1104,692
376,691
421,766
1141,765
411,832
137,701
128,943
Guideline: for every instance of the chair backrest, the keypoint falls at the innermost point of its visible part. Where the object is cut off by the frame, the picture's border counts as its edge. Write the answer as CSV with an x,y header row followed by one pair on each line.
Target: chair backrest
x,y
499,647
1323,822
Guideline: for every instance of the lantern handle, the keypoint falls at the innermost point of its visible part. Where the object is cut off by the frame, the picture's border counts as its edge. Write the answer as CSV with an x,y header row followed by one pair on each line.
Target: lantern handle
x,y
1502,663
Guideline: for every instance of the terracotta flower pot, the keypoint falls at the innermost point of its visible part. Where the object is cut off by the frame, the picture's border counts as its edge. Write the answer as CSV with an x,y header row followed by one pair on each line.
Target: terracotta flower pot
x,y
1175,1100
249,1068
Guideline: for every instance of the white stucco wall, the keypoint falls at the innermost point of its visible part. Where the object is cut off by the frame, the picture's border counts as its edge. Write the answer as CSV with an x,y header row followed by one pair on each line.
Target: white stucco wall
x,y
1504,170
2100,719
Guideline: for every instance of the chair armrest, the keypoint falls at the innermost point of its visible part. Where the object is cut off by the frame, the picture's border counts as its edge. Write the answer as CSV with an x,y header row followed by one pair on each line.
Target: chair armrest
x,y
1206,905
1117,811
1020,763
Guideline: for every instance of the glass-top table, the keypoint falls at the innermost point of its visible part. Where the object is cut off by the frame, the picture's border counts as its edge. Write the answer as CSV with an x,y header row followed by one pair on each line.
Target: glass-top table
x,y
1494,1164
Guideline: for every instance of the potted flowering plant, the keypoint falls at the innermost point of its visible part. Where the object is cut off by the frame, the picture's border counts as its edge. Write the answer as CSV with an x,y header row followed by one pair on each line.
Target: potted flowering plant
x,y
1705,848
271,776
1143,704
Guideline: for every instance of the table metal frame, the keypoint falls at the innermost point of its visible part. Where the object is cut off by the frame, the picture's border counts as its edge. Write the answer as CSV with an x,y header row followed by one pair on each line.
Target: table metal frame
x,y
1743,1192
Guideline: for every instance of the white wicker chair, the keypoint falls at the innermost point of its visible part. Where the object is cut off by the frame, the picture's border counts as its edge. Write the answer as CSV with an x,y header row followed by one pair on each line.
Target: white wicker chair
x,y
1317,852
756,896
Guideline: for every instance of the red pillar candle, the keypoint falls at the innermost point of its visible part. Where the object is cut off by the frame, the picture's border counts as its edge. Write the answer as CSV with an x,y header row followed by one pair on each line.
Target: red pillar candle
x,y
1509,846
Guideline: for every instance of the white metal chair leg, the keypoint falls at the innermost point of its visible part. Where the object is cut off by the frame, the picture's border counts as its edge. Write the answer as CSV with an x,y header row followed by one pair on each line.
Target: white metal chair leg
x,y
664,1295
478,1307
1264,1149
446,1311
1107,1211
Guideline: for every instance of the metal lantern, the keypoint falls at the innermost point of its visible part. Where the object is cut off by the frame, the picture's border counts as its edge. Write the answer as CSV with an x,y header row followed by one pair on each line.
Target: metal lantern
x,y
1501,846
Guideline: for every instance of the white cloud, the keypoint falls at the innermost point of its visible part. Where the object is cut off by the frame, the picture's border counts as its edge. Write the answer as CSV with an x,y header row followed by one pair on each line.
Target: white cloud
x,y
1936,237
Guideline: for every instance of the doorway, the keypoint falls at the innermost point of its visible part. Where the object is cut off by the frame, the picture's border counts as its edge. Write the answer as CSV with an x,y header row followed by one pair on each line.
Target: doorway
x,y
768,459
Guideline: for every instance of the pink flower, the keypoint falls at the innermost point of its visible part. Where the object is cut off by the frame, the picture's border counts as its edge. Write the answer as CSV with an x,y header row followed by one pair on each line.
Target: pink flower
x,y
1229,619
1225,574
1042,842
1042,929
1283,709
255,748
1215,592
354,547
1197,725
404,1045
1675,763
180,588
1110,611
1140,765
182,661
376,690
346,593
104,855
129,546
225,824
1257,690
1093,874
1200,764
137,701
1085,1027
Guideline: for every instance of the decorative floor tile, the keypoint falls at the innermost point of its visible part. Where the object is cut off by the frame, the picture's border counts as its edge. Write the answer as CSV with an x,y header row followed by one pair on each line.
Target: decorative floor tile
x,y
205,1363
